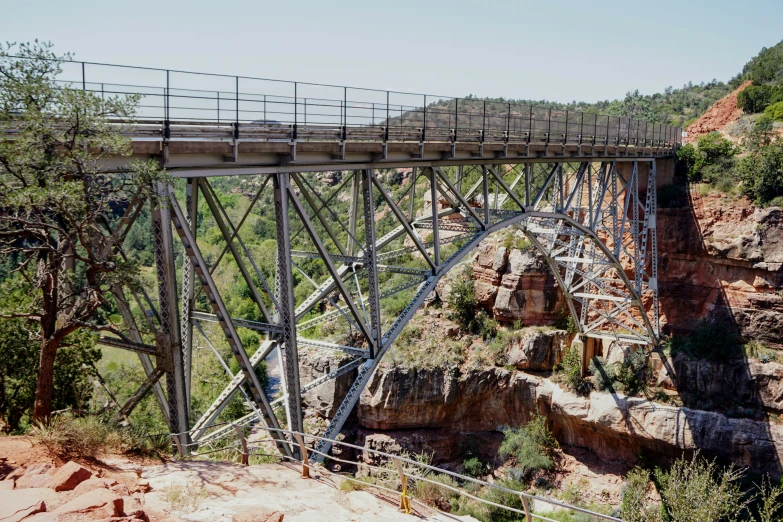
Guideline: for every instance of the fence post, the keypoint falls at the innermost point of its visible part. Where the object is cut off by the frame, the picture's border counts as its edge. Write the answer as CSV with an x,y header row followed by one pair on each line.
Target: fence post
x,y
243,441
526,504
405,501
303,451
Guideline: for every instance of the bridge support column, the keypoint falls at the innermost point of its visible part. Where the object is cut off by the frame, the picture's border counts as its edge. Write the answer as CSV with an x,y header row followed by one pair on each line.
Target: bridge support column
x,y
169,341
284,293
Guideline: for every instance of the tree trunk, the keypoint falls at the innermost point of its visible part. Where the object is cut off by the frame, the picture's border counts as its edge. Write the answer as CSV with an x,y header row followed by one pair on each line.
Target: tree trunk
x,y
42,408
43,388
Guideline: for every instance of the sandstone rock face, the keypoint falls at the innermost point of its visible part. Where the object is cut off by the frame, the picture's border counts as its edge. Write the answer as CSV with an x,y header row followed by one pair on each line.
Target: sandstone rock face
x,y
537,349
515,284
722,259
99,503
747,382
17,505
612,426
259,515
36,476
68,477
325,399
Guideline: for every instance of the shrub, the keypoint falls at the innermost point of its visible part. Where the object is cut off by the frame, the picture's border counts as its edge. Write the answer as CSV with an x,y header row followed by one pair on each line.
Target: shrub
x,y
632,508
472,466
531,446
603,377
433,494
762,172
630,374
487,513
711,339
569,370
697,490
754,98
769,506
462,300
67,437
686,159
775,111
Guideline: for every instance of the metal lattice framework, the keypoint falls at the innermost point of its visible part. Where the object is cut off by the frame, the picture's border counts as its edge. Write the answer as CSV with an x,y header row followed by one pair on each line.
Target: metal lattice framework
x,y
404,229
420,182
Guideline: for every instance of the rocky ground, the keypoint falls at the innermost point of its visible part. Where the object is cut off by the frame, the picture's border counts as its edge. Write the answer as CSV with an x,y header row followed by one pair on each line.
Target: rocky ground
x,y
34,487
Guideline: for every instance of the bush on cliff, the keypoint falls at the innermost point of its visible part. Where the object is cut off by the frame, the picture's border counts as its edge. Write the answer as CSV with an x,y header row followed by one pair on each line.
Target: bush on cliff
x,y
569,372
532,447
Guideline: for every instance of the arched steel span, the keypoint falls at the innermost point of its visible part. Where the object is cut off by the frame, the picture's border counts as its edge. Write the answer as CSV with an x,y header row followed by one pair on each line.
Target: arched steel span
x,y
367,240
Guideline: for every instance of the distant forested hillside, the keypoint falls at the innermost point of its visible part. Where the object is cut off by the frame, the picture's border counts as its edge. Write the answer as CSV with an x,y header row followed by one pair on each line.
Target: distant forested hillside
x,y
674,106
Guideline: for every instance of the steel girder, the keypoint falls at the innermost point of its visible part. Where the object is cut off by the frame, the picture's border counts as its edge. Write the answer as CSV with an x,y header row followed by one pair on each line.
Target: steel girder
x,y
593,223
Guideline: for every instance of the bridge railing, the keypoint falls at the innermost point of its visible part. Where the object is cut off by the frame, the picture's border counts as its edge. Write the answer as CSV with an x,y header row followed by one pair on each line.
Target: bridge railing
x,y
302,110
387,472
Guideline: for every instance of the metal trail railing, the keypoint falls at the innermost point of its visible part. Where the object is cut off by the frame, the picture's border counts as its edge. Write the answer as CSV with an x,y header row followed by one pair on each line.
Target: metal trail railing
x,y
402,468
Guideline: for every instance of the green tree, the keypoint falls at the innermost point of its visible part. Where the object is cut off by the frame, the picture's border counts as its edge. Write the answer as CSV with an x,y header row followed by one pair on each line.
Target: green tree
x,y
56,199
462,300
775,111
761,172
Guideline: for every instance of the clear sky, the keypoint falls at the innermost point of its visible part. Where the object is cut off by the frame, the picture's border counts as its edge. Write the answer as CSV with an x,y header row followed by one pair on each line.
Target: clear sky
x,y
556,50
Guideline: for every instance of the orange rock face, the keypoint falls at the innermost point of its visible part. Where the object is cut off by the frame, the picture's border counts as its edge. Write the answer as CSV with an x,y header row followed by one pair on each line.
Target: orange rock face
x,y
720,258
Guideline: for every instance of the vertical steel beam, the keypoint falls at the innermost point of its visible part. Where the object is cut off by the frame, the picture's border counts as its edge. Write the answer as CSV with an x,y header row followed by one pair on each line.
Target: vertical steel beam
x,y
191,195
435,231
370,264
411,201
169,341
485,192
284,291
353,213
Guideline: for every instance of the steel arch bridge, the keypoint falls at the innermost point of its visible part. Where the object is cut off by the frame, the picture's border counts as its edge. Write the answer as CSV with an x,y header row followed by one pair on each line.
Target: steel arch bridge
x,y
379,209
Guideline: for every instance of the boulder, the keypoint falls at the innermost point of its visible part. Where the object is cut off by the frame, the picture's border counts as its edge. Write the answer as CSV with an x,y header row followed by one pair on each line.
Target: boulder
x,y
36,476
94,483
131,507
535,349
68,477
96,504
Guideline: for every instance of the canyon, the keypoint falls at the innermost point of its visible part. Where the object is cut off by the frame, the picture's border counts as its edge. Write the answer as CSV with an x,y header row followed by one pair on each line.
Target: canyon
x,y
720,258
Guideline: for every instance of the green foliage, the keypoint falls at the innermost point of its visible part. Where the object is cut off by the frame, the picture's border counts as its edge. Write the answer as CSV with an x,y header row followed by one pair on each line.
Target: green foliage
x,y
711,339
698,490
637,484
72,387
769,505
531,446
487,513
686,159
68,437
435,494
754,98
775,111
761,172
473,466
569,371
630,374
462,300
714,155
766,67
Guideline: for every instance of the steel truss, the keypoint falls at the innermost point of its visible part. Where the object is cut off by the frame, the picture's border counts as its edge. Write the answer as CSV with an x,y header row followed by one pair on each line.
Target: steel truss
x,y
396,234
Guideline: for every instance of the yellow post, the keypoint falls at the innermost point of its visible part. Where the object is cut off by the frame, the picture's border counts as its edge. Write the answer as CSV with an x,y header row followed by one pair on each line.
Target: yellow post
x,y
245,454
303,449
405,501
526,504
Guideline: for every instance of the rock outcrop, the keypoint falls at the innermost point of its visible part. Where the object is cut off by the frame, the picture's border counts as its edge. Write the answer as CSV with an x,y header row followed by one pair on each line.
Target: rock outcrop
x,y
614,427
723,261
513,284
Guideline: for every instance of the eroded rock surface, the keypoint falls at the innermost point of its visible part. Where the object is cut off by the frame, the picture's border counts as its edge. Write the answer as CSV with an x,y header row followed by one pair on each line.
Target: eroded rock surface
x,y
613,426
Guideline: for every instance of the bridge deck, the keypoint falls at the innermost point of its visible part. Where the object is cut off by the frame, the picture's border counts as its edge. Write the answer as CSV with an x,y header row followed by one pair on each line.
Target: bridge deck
x,y
211,149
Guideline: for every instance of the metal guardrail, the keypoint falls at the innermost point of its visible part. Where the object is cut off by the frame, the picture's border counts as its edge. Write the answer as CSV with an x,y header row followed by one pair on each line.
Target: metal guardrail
x,y
247,448
285,110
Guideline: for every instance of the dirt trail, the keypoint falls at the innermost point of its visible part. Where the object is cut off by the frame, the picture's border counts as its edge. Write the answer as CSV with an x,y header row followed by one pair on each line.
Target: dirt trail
x,y
717,118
